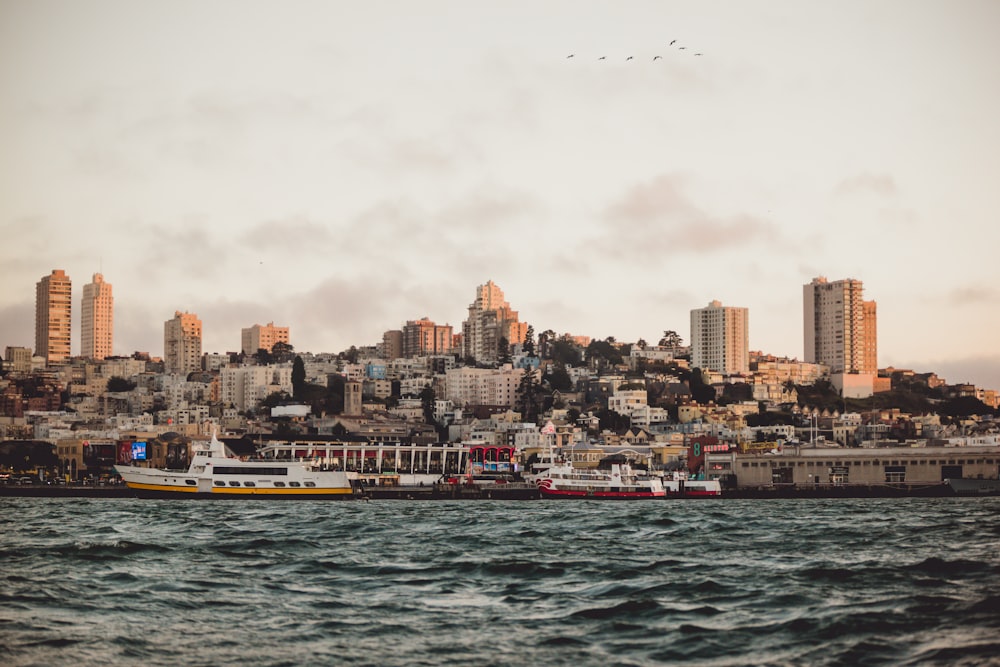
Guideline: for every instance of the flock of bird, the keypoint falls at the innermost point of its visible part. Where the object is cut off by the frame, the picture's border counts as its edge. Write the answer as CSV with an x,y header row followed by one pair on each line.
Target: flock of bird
x,y
679,48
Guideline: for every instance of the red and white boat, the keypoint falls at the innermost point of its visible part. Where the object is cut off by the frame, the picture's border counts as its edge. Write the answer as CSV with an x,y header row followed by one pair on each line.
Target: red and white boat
x,y
562,480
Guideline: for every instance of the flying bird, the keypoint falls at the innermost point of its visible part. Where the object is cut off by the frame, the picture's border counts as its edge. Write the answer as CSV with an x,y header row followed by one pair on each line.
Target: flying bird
x,y
697,54
629,58
602,57
657,57
681,47
569,56
672,43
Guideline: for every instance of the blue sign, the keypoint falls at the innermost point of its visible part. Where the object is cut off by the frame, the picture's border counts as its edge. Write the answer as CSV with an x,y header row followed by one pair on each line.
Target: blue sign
x,y
138,451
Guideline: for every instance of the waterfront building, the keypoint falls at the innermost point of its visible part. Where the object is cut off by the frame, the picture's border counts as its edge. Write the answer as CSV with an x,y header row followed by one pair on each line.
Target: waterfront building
x,y
260,337
97,319
820,466
425,338
53,316
490,320
720,338
182,343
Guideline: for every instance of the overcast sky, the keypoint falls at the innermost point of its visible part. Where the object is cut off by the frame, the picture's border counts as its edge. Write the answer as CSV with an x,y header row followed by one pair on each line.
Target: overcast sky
x,y
343,167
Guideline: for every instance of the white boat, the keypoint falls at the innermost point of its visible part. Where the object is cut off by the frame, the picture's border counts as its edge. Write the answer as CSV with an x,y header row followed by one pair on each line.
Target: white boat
x,y
680,485
213,473
562,480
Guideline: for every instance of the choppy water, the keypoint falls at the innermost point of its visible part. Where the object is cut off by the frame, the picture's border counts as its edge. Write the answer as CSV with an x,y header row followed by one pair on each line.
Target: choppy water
x,y
796,582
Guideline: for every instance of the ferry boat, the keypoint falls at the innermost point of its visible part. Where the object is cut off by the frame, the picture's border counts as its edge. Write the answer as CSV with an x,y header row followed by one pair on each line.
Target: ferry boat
x,y
562,480
680,485
213,473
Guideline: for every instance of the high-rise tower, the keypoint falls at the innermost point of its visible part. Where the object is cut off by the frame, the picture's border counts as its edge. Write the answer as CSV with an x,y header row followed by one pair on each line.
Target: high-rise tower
x,y
490,319
839,326
97,319
182,343
720,338
53,316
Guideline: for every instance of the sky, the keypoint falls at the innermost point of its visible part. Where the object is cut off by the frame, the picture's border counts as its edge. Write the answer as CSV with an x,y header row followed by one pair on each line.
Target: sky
x,y
342,167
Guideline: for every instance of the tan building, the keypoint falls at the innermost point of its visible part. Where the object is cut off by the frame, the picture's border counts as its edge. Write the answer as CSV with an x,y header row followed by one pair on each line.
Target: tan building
x,y
17,359
425,338
490,320
839,326
182,343
97,319
806,466
53,316
260,337
720,339
392,345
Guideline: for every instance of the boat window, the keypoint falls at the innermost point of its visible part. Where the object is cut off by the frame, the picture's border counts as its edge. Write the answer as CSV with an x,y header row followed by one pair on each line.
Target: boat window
x,y
219,482
310,484
294,484
190,482
249,484
234,483
279,484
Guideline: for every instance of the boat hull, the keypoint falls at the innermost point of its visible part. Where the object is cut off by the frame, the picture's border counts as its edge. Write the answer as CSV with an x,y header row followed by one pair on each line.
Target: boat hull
x,y
975,487
595,494
268,481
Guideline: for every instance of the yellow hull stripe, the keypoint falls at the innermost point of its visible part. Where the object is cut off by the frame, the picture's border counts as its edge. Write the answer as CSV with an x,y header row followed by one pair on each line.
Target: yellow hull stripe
x,y
244,491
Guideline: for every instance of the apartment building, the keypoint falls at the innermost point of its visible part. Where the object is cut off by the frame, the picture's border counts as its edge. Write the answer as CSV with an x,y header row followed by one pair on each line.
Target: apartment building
x,y
490,320
182,343
720,339
97,319
53,316
264,337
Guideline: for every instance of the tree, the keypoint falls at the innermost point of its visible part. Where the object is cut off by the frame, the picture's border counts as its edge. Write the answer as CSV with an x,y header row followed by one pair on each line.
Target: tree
x,y
427,401
282,352
701,392
565,352
672,340
641,344
527,397
558,378
116,384
529,342
263,356
503,351
298,375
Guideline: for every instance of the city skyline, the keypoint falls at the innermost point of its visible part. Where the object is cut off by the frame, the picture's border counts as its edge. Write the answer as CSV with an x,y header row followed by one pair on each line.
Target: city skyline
x,y
344,169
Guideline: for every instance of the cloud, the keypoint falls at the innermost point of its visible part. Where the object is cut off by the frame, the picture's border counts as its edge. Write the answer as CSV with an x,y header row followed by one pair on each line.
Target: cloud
x,y
974,295
294,232
867,183
659,218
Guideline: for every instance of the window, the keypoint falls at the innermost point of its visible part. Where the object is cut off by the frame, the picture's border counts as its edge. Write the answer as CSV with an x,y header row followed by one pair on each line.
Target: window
x,y
249,484
219,482
279,484
191,482
311,484
234,483
295,484
895,473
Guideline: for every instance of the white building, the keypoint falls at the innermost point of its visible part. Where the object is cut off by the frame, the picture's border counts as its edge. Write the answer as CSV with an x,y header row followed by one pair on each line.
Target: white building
x,y
244,387
720,339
